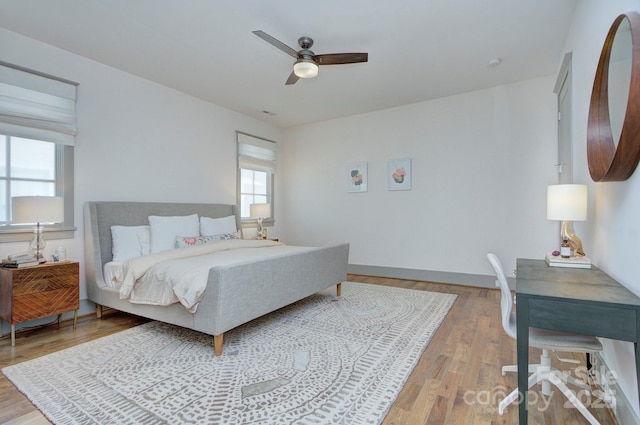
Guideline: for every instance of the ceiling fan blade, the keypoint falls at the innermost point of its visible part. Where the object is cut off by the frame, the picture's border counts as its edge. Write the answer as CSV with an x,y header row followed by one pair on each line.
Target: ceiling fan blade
x,y
293,78
341,58
277,43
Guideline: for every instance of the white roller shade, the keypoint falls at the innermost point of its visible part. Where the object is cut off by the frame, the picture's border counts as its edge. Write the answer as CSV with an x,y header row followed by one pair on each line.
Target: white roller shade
x,y
256,153
37,106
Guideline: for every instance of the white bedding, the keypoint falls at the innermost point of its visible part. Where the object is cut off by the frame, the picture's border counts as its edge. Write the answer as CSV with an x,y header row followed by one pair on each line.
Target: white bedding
x,y
113,273
180,275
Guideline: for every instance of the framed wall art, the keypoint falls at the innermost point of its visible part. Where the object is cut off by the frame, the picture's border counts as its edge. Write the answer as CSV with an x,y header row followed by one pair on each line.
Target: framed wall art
x,y
357,178
399,174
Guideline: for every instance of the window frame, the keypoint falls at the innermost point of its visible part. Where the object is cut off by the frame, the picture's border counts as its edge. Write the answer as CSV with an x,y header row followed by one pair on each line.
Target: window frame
x,y
248,220
63,187
50,117
253,222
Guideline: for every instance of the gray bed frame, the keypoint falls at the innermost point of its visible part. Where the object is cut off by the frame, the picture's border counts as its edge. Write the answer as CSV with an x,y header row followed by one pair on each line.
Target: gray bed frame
x,y
235,294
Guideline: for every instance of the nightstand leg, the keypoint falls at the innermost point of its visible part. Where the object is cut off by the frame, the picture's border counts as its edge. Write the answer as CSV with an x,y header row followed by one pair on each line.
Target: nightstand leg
x,y
75,319
13,335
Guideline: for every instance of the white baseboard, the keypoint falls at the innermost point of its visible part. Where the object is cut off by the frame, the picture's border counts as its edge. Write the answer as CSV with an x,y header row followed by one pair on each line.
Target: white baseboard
x,y
482,281
623,409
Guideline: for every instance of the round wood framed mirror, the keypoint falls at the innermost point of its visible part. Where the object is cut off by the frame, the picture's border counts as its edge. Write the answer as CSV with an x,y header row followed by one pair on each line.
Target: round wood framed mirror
x,y
613,132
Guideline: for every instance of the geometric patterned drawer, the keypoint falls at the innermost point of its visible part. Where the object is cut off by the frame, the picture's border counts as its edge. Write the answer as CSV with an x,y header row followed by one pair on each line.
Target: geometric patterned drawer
x,y
41,291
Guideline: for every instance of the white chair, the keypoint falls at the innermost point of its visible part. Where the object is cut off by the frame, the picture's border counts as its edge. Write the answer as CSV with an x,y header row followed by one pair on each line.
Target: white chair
x,y
547,340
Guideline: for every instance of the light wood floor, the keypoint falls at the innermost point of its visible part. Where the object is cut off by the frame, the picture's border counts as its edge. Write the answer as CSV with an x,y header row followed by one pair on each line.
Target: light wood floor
x,y
457,380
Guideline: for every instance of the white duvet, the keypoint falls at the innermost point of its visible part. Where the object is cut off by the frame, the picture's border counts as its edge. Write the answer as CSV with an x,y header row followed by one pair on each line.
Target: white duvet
x,y
180,275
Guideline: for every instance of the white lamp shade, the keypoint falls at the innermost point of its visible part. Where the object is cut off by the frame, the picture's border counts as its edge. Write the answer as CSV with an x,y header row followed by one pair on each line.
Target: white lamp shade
x,y
305,69
260,210
37,209
567,202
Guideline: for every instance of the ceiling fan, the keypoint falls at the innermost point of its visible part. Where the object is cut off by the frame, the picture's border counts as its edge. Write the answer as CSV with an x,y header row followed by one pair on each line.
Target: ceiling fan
x,y
307,62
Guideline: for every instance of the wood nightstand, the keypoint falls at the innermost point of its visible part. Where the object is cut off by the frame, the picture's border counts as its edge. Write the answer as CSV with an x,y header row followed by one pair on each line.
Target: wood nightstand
x,y
41,291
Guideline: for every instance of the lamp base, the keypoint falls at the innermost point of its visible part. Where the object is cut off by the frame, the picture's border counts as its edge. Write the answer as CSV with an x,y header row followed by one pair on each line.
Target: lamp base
x,y
38,244
574,241
262,232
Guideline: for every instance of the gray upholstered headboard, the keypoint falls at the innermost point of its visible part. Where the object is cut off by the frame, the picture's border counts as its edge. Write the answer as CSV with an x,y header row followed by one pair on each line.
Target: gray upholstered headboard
x,y
100,216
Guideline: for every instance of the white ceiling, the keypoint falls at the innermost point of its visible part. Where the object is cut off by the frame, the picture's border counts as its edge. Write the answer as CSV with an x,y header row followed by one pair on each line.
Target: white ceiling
x,y
418,49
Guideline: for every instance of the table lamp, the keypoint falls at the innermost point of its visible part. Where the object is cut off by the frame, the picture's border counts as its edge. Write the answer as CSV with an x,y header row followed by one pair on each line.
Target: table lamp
x,y
260,211
568,202
37,209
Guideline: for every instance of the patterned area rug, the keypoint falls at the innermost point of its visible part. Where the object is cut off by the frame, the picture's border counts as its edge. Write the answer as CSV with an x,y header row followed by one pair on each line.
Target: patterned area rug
x,y
323,360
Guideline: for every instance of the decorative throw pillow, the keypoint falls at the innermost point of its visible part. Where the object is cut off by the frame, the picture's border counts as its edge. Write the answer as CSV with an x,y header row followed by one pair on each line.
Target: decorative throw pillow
x,y
218,226
184,241
126,241
225,236
165,229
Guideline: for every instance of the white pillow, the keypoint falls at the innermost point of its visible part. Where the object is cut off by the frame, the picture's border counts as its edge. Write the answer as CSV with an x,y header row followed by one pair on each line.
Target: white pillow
x,y
217,226
126,241
145,241
165,229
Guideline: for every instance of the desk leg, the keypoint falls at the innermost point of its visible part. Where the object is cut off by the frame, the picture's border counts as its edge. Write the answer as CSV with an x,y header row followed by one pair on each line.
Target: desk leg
x,y
522,320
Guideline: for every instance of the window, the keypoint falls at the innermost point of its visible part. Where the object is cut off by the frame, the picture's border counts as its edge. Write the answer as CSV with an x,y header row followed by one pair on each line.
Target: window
x,y
254,189
37,135
256,168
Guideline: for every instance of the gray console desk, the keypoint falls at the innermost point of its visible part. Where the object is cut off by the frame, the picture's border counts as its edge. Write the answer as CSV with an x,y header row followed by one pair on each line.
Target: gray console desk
x,y
584,301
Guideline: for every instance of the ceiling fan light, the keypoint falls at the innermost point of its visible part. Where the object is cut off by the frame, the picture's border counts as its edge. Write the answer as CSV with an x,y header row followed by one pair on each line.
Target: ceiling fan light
x,y
305,68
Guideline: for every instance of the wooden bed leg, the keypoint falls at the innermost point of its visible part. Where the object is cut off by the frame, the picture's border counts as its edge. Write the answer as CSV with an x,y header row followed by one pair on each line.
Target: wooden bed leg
x,y
217,344
339,289
98,311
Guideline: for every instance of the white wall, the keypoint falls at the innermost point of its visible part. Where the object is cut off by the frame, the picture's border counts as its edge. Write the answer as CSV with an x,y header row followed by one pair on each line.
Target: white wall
x,y
481,162
613,233
137,140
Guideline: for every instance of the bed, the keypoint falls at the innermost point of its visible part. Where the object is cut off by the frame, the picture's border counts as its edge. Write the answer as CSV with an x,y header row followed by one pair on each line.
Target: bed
x,y
235,293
